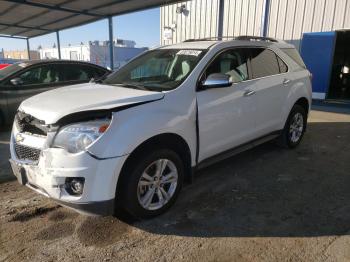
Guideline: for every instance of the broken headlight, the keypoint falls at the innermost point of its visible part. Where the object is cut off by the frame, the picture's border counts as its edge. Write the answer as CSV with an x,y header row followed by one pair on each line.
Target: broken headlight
x,y
78,137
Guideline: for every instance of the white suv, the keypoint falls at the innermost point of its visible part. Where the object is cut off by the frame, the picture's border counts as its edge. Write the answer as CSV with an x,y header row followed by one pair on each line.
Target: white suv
x,y
133,138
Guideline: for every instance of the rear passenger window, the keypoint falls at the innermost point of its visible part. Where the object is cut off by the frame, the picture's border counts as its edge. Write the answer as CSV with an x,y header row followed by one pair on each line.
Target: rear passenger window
x,y
93,72
264,63
76,72
282,65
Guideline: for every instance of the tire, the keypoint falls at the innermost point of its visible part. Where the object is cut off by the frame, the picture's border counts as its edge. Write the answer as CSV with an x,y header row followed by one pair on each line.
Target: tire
x,y
293,130
133,195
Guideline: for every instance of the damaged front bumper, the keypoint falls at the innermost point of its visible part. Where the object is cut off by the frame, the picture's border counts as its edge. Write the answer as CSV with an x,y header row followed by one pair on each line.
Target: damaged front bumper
x,y
48,176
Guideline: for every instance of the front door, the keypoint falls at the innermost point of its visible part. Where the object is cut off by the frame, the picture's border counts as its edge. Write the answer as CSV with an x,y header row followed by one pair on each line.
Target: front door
x,y
226,115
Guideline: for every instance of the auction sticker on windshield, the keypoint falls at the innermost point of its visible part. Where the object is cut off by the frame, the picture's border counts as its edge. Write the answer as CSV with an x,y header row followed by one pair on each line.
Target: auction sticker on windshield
x,y
189,52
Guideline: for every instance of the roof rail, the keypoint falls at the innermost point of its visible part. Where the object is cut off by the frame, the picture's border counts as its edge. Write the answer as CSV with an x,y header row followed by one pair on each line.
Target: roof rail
x,y
256,38
243,37
213,38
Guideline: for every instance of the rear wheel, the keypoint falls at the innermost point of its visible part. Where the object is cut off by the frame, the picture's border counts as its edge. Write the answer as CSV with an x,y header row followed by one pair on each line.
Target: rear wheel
x,y
294,128
153,183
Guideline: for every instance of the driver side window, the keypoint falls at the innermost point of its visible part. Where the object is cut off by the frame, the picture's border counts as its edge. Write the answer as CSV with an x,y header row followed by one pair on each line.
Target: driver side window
x,y
232,62
40,75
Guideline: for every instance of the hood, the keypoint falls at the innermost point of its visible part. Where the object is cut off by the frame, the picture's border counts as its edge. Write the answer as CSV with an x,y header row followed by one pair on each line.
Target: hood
x,y
53,105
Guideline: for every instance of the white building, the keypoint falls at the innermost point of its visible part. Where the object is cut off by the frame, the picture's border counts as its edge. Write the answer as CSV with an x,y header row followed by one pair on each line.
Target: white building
x,y
317,28
96,52
286,19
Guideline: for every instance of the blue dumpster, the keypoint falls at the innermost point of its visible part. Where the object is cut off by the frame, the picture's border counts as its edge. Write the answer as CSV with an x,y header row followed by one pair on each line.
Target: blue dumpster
x,y
317,51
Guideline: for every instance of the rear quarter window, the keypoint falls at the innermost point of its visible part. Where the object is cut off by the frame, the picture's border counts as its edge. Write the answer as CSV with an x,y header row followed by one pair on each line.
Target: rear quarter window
x,y
294,54
282,65
264,63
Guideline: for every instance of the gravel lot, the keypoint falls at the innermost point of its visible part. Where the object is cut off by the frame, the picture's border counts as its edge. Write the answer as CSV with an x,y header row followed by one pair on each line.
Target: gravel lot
x,y
266,204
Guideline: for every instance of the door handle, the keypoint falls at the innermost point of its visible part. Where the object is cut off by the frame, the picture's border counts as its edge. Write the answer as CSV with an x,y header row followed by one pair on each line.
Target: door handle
x,y
286,81
249,93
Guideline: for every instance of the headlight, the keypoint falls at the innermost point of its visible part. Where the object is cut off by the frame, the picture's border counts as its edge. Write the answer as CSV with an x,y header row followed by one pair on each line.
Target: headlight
x,y
77,137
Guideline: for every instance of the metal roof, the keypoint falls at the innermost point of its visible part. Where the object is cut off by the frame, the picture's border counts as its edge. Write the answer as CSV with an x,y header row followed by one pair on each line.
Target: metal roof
x,y
31,18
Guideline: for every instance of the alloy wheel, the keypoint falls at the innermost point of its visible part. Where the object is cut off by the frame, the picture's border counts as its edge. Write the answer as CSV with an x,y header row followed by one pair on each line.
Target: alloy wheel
x,y
157,184
296,127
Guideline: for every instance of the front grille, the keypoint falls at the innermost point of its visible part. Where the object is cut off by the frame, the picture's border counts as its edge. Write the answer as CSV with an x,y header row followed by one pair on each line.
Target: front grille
x,y
27,153
29,124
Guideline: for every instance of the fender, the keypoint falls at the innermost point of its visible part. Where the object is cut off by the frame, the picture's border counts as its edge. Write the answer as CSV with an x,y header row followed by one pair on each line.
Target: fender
x,y
136,125
297,91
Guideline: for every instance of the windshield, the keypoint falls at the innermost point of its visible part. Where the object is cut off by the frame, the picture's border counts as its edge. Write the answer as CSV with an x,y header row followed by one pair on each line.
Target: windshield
x,y
9,70
157,70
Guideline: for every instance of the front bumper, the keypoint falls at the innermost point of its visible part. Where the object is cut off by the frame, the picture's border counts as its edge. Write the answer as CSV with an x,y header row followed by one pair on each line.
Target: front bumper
x,y
48,177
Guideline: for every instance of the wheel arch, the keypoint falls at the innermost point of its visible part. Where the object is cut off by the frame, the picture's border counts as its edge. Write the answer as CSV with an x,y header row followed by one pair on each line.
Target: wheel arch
x,y
166,140
302,101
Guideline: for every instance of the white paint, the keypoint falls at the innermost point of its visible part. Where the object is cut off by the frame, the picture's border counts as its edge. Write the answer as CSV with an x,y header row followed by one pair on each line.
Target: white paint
x,y
90,96
288,20
226,118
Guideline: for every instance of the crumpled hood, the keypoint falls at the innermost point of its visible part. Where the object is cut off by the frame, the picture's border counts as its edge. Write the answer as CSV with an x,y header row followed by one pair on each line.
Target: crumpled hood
x,y
53,105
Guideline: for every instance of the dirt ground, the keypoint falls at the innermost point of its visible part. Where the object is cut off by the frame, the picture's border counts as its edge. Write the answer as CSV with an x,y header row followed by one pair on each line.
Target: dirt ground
x,y
267,204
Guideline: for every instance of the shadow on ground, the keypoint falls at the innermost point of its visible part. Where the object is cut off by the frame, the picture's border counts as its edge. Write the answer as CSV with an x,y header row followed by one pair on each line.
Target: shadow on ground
x,y
269,192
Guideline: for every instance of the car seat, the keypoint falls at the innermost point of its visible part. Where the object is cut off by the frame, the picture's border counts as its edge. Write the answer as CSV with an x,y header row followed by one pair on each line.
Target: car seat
x,y
185,69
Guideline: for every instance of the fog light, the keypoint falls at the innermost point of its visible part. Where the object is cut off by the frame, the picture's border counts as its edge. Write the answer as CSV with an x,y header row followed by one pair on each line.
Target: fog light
x,y
75,185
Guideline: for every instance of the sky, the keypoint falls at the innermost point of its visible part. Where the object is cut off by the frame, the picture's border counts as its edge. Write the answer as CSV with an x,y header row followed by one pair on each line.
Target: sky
x,y
142,27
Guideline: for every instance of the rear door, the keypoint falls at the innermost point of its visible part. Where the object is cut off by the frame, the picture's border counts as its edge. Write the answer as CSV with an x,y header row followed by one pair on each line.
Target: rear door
x,y
269,74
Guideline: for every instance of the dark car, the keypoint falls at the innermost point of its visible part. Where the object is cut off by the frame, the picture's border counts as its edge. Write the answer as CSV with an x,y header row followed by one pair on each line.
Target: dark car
x,y
22,80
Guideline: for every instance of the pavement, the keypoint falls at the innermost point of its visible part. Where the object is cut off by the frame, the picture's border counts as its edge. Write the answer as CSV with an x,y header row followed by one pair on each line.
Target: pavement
x,y
266,204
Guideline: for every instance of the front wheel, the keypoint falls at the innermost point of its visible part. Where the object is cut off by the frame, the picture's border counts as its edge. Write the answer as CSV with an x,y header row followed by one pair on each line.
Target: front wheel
x,y
294,128
153,184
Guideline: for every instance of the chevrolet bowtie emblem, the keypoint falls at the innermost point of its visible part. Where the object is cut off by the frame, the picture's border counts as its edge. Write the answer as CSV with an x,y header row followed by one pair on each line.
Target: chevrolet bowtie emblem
x,y
19,138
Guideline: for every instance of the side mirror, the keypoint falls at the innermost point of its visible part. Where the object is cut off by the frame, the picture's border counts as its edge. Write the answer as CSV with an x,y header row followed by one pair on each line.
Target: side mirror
x,y
16,81
217,80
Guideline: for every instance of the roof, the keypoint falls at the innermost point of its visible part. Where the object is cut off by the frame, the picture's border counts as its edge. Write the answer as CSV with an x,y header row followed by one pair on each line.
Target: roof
x,y
31,18
49,61
191,45
206,44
